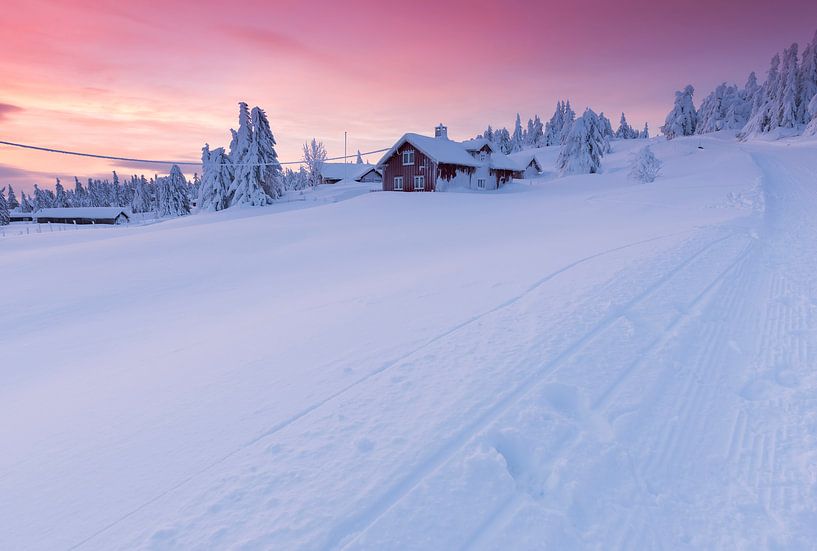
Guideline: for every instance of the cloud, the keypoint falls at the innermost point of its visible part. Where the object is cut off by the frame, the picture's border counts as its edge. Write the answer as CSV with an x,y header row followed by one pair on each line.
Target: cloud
x,y
7,109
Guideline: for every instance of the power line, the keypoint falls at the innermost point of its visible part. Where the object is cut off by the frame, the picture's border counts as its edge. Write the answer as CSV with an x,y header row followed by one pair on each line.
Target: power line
x,y
153,161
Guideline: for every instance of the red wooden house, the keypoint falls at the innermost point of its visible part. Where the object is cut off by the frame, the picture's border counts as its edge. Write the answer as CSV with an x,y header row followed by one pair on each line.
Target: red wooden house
x,y
423,163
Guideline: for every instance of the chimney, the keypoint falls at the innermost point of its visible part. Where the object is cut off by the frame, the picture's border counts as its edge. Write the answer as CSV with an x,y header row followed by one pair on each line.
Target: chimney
x,y
441,132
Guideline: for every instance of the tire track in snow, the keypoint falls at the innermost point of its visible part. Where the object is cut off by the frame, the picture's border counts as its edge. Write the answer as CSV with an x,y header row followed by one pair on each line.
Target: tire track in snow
x,y
352,528
388,365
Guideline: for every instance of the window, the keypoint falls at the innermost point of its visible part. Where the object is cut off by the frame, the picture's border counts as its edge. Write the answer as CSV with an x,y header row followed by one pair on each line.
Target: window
x,y
408,157
481,183
419,183
483,156
398,183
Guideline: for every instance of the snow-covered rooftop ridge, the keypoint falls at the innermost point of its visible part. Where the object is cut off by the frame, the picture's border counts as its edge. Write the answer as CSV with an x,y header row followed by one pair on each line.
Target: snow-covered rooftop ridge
x,y
351,171
441,150
82,212
445,151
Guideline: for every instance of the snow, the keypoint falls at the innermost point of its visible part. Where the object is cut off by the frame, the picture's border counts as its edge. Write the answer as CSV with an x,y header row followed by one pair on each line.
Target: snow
x,y
577,362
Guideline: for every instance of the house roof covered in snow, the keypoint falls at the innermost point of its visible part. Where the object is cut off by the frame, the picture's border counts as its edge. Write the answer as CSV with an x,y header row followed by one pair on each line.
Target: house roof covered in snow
x,y
440,150
93,213
351,171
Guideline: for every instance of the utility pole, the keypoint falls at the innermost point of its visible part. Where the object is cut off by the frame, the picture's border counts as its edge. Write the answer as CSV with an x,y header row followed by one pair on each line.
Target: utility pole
x,y
345,164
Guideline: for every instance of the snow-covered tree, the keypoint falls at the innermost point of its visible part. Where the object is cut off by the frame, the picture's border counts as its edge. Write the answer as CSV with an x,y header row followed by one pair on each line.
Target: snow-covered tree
x,y
725,108
765,110
606,126
625,131
142,197
12,201
644,165
502,140
257,178
359,159
172,194
811,129
517,138
683,118
216,177
314,157
60,199
584,146
790,114
4,208
808,78
645,134
43,199
535,132
25,203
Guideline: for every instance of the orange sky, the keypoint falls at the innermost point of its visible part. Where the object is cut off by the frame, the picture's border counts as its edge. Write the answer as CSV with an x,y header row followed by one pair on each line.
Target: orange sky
x,y
158,79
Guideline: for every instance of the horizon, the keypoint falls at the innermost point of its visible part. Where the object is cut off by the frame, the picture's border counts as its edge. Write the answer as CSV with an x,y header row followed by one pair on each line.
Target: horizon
x,y
103,79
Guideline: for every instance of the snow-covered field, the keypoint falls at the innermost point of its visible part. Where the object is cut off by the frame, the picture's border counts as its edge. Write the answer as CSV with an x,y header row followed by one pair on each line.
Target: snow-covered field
x,y
569,363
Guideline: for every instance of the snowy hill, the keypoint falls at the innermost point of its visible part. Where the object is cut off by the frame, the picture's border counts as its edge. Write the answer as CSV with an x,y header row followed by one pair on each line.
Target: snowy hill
x,y
579,362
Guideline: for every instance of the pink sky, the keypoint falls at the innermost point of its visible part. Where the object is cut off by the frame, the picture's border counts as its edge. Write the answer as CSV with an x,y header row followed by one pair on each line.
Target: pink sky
x,y
158,79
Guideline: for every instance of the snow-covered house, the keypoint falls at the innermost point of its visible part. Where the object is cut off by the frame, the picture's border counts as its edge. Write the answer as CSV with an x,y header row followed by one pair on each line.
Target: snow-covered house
x,y
83,215
527,163
422,163
332,173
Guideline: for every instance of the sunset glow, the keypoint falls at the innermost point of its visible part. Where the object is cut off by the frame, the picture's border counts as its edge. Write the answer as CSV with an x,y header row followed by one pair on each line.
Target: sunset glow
x,y
154,79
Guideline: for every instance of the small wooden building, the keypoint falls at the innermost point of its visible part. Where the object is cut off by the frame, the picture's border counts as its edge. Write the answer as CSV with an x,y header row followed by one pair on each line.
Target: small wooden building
x,y
332,173
83,215
423,163
17,216
529,166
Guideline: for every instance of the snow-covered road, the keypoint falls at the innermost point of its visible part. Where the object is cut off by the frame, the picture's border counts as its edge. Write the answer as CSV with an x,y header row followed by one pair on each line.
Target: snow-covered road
x,y
591,365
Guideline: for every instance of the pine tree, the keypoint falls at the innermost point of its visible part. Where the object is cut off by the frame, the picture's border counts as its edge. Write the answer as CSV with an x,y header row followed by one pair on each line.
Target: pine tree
x,y
60,199
216,177
645,134
683,118
789,108
4,208
42,199
142,200
765,112
12,201
583,148
606,126
811,129
314,158
517,139
25,203
173,198
808,78
644,166
359,159
625,131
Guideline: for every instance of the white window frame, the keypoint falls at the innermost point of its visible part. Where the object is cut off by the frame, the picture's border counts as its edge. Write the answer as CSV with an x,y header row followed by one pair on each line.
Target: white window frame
x,y
408,157
421,179
398,183
481,182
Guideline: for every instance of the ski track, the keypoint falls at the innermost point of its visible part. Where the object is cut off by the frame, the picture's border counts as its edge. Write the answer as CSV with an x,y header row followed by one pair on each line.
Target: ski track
x,y
306,411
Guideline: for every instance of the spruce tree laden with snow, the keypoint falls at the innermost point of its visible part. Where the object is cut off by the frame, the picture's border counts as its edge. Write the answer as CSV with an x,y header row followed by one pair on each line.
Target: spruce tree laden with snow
x,y
314,158
811,129
645,134
142,199
12,201
517,139
60,199
644,165
4,209
583,147
683,118
216,177
25,203
625,131
359,159
172,194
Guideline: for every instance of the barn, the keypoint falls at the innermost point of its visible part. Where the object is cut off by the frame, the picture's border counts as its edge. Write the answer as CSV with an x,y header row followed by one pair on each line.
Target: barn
x,y
332,173
422,163
83,215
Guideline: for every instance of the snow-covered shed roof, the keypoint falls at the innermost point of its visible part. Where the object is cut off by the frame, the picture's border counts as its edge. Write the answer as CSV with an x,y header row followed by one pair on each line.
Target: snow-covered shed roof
x,y
351,171
477,144
523,159
93,213
441,150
